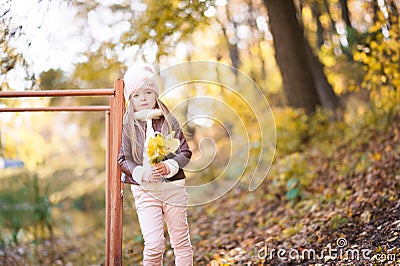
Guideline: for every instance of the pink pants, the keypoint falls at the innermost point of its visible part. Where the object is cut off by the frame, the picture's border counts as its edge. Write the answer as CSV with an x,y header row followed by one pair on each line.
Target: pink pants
x,y
152,208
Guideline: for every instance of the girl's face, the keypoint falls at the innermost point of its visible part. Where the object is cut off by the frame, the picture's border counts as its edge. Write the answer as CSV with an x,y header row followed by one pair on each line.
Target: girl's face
x,y
143,99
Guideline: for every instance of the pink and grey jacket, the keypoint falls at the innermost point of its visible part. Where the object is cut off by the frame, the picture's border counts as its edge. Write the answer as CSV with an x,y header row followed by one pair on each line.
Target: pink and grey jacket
x,y
125,159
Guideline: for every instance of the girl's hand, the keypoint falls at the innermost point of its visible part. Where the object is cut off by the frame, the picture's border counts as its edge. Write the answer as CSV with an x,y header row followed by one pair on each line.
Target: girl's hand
x,y
160,169
149,177
156,173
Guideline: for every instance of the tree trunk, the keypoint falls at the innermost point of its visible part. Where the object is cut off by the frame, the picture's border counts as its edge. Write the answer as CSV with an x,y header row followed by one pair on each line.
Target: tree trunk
x,y
326,95
393,11
320,29
345,13
325,91
232,47
376,10
290,55
333,23
345,50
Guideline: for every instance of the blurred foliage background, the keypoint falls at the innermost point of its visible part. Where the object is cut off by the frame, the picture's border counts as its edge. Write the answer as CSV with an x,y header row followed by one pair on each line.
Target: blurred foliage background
x,y
329,69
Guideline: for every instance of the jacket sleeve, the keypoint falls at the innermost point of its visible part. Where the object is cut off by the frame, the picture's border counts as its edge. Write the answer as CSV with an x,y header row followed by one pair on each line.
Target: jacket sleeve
x,y
183,154
125,161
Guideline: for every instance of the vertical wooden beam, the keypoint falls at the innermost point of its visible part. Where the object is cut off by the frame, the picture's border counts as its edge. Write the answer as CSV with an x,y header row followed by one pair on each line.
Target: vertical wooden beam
x,y
115,187
108,182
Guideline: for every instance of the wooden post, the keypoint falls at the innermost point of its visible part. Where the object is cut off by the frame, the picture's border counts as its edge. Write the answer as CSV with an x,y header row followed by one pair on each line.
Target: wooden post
x,y
108,180
115,187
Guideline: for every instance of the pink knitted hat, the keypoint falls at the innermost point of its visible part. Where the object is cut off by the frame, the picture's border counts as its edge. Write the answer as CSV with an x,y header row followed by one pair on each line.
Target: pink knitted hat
x,y
136,77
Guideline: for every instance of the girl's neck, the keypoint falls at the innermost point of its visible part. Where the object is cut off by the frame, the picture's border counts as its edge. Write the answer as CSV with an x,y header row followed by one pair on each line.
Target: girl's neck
x,y
146,114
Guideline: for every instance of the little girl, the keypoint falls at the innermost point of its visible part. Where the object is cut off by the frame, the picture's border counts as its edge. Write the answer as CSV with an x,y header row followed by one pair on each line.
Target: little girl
x,y
158,190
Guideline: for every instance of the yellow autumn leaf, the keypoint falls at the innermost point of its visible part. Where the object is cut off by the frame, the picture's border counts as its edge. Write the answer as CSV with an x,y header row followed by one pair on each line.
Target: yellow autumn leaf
x,y
377,156
159,147
357,56
171,145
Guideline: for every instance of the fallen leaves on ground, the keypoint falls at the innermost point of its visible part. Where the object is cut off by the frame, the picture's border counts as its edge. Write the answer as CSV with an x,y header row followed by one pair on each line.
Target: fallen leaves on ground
x,y
352,204
361,207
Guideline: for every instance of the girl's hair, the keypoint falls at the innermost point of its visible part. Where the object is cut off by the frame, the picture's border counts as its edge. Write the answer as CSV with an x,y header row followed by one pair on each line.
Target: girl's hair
x,y
136,130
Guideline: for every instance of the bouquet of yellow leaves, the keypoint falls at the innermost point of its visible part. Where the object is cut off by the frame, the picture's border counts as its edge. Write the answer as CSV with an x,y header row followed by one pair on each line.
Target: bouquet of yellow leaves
x,y
159,147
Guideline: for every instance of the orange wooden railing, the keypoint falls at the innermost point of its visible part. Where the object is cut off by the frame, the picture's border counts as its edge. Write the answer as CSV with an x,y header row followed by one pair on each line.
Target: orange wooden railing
x,y
114,114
